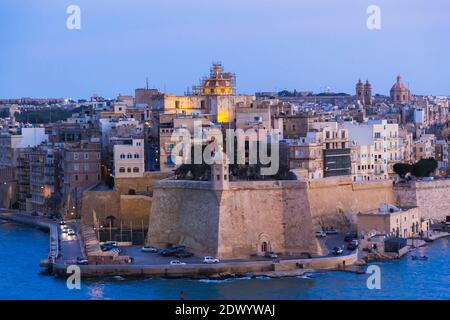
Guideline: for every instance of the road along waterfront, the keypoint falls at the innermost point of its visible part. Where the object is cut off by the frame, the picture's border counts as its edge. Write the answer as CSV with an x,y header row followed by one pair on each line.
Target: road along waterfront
x,y
22,246
65,250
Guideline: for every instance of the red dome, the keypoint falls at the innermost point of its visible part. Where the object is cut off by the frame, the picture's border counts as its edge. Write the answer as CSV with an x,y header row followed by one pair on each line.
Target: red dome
x,y
399,85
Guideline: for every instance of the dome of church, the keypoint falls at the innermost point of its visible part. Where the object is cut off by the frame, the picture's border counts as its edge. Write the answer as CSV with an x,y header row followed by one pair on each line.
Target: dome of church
x,y
399,85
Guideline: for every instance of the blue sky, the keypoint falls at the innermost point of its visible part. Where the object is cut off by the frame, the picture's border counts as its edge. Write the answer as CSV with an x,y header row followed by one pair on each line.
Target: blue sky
x,y
269,44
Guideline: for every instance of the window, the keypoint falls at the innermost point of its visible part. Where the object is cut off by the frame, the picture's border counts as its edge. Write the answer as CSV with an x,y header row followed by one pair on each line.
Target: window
x,y
86,167
135,169
122,156
76,177
129,170
98,155
75,156
87,177
122,170
76,167
86,156
136,155
129,156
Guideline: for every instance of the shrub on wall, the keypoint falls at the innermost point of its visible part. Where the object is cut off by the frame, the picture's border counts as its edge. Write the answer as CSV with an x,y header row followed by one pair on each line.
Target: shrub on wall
x,y
422,168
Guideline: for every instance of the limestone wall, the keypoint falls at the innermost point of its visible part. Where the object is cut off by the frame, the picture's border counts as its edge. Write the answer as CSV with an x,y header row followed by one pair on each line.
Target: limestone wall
x,y
431,197
135,209
143,184
104,203
336,201
274,212
185,212
232,223
128,209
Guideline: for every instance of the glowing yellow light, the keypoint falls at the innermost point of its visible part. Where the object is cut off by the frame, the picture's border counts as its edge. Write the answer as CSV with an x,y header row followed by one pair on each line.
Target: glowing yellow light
x,y
223,117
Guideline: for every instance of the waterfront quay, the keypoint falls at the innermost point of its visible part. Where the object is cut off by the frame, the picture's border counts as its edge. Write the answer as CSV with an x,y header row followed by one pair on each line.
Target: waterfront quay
x,y
64,251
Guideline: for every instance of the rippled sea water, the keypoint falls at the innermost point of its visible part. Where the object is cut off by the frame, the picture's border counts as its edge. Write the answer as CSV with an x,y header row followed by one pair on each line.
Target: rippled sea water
x,y
22,247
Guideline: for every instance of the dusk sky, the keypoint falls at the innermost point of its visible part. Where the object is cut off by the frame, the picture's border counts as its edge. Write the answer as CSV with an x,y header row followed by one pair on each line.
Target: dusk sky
x,y
269,44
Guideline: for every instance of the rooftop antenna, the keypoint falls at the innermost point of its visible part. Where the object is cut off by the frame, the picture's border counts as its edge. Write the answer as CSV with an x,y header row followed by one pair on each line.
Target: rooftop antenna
x,y
146,82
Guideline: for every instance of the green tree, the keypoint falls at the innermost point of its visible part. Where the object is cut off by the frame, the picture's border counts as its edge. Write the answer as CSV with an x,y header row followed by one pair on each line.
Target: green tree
x,y
424,167
402,169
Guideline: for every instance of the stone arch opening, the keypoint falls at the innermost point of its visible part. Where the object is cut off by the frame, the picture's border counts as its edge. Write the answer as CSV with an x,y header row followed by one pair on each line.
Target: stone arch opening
x,y
264,244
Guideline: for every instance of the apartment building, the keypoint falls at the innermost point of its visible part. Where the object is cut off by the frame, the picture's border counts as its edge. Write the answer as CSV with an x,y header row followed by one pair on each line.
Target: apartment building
x,y
81,170
304,153
336,149
376,147
424,147
129,158
441,156
12,142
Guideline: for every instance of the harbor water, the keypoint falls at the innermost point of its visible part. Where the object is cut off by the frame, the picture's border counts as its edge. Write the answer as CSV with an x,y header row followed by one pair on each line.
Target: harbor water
x,y
21,248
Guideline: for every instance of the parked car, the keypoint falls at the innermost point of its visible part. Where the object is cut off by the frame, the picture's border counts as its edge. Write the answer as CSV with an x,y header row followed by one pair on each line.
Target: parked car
x,y
350,236
183,254
169,252
177,262
149,249
111,243
271,255
115,250
210,260
107,247
337,251
65,229
331,231
355,242
351,246
305,255
82,261
176,247
321,234
71,232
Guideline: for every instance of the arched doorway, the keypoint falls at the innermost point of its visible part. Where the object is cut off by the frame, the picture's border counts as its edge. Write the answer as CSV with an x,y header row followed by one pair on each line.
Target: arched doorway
x,y
264,246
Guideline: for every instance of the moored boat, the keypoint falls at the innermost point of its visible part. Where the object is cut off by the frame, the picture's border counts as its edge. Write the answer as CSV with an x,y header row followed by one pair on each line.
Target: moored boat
x,y
419,257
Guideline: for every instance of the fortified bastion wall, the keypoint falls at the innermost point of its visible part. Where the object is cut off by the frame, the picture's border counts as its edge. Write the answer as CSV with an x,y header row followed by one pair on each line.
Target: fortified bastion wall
x,y
244,220
335,202
432,197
